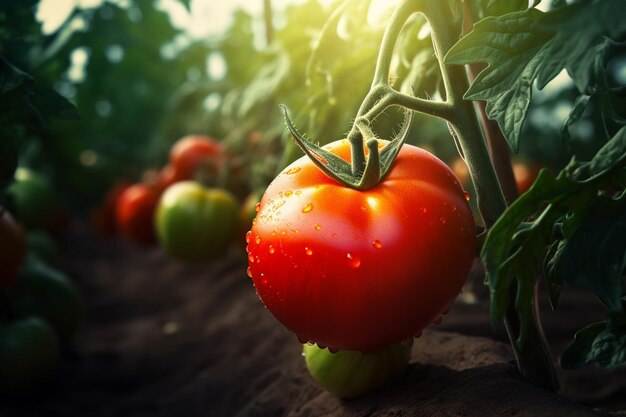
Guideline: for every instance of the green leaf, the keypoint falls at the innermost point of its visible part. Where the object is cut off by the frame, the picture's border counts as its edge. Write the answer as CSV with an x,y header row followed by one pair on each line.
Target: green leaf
x,y
530,46
554,210
603,342
594,256
500,7
11,77
53,104
575,114
513,51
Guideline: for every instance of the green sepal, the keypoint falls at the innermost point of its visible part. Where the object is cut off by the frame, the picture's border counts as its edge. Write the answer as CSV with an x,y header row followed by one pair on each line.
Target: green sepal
x,y
378,163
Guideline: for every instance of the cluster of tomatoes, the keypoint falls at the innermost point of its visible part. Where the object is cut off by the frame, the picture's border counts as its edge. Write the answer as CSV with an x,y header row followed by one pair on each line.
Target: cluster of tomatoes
x,y
40,308
190,220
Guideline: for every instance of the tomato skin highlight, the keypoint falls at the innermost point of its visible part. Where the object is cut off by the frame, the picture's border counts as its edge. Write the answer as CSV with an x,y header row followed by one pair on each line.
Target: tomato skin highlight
x,y
361,270
195,223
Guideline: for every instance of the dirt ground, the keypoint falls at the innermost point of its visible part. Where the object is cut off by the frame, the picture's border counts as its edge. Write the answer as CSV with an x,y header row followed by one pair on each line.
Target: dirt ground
x,y
161,338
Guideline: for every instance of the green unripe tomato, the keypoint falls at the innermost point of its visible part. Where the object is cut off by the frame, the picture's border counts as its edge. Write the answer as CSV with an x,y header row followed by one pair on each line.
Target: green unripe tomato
x,y
33,198
195,223
29,351
350,374
45,292
43,246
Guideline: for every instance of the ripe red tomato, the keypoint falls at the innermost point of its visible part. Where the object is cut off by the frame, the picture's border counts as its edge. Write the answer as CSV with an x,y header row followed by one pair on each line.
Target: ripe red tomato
x,y
525,175
190,152
167,177
13,244
103,220
361,270
135,213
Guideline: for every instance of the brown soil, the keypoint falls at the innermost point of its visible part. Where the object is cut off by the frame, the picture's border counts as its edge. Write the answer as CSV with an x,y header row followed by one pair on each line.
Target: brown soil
x,y
166,339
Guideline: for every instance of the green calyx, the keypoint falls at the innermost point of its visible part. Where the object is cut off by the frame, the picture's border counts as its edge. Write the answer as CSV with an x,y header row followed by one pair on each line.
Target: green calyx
x,y
365,171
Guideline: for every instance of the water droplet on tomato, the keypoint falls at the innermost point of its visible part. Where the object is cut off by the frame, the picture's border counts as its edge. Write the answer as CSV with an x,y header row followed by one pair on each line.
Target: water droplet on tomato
x,y
288,193
249,272
280,194
254,222
453,208
423,210
334,235
293,170
264,280
442,220
271,250
298,192
353,260
318,227
257,260
257,208
248,234
283,233
257,240
308,251
377,244
251,258
467,195
307,208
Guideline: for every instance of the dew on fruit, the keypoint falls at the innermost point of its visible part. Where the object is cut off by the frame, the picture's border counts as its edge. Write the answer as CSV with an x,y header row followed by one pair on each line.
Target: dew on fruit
x,y
453,208
442,220
251,258
377,244
318,227
271,250
307,208
257,208
467,195
248,234
257,240
334,235
423,210
353,260
288,193
249,272
293,170
298,192
308,251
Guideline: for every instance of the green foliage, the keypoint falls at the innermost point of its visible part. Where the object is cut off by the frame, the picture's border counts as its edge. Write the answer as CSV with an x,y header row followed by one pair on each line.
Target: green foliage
x,y
603,342
530,46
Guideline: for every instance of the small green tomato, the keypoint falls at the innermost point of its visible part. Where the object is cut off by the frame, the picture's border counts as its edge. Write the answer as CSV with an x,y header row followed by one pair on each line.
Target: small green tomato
x,y
350,374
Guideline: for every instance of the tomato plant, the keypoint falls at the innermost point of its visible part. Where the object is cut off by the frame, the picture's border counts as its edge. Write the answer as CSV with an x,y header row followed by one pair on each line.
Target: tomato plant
x,y
349,374
47,293
362,269
33,198
135,210
195,223
13,252
190,152
29,351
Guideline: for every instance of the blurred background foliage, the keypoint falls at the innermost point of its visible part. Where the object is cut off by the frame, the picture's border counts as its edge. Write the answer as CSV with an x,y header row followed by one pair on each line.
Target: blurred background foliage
x,y
140,82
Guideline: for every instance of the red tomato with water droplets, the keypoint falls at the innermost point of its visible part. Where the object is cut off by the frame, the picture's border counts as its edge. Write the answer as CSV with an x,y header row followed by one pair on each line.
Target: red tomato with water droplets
x,y
360,270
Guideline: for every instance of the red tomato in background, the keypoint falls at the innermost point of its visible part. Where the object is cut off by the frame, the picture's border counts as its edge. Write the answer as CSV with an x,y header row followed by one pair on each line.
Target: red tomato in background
x,y
13,249
525,175
135,213
167,177
190,152
361,270
103,220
